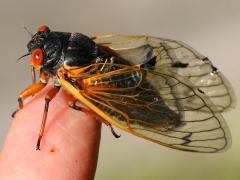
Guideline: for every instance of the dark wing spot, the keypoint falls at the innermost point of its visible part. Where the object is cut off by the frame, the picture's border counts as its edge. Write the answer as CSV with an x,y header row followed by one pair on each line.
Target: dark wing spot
x,y
205,59
200,91
214,69
179,64
186,138
152,61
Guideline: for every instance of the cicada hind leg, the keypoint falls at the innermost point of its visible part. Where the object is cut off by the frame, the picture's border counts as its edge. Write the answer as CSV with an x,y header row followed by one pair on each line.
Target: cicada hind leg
x,y
73,104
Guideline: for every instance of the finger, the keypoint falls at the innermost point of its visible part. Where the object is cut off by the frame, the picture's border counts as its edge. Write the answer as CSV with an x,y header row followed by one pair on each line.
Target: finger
x,y
69,148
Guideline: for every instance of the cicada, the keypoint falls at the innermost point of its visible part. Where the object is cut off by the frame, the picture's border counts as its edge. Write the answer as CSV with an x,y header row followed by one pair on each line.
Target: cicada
x,y
158,89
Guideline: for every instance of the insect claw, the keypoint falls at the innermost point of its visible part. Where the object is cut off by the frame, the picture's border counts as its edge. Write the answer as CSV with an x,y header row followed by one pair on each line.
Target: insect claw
x,y
14,113
116,135
38,143
20,106
74,106
113,132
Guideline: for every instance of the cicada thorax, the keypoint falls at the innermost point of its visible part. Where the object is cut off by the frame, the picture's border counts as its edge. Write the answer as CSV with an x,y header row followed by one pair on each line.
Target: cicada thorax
x,y
80,50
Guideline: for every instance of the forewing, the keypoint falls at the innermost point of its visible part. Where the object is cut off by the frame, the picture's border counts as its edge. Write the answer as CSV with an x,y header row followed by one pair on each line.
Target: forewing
x,y
181,58
156,105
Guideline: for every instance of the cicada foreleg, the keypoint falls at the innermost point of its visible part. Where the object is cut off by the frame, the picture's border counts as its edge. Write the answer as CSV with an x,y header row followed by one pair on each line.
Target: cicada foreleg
x,y
50,95
31,90
26,93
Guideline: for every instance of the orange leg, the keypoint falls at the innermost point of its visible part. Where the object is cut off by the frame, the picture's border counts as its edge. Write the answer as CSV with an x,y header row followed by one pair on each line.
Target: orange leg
x,y
72,104
28,92
50,95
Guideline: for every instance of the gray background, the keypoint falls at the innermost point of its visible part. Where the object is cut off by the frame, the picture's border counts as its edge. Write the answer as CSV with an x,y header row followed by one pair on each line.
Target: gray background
x,y
210,26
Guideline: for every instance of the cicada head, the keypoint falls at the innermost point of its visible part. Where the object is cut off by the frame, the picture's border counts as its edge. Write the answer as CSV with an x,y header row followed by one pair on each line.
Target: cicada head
x,y
45,48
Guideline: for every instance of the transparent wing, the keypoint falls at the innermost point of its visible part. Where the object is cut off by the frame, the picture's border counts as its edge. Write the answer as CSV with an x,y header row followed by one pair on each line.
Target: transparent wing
x,y
181,58
156,105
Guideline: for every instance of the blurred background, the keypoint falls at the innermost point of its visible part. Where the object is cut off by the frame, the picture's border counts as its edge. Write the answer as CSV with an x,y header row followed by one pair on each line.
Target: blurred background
x,y
210,26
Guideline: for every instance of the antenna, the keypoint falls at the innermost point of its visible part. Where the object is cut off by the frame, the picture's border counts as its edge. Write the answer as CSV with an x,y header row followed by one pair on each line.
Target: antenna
x,y
26,29
23,56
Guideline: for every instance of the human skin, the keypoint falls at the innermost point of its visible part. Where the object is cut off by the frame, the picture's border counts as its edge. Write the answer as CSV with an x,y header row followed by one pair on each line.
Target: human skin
x,y
69,148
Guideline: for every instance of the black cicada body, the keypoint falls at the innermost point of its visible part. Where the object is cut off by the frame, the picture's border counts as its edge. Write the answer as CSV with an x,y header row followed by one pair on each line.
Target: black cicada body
x,y
58,48
159,89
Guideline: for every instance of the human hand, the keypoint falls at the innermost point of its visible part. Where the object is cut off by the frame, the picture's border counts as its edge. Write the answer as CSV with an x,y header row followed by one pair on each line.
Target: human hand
x,y
69,148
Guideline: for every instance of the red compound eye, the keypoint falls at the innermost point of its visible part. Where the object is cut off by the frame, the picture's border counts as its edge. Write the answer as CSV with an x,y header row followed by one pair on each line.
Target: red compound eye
x,y
37,57
43,28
